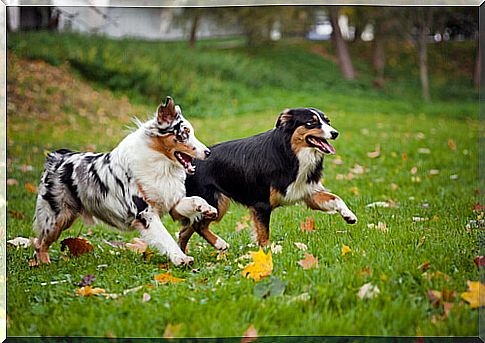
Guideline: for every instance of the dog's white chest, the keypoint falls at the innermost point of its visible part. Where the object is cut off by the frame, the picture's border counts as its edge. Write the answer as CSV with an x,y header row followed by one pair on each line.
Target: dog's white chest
x,y
300,188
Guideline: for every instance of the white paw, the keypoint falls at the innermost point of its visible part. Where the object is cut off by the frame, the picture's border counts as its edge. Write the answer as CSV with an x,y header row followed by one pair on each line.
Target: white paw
x,y
349,217
207,211
221,244
179,260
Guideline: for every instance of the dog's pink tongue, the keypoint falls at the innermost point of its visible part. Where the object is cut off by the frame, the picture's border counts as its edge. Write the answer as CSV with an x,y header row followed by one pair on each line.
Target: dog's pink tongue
x,y
329,147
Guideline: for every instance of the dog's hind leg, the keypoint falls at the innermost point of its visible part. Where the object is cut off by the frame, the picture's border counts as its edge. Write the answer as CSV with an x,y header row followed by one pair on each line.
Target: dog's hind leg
x,y
184,237
260,216
330,203
49,228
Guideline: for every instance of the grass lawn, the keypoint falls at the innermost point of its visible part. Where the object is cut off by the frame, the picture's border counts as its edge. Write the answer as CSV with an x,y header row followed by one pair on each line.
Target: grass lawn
x,y
427,170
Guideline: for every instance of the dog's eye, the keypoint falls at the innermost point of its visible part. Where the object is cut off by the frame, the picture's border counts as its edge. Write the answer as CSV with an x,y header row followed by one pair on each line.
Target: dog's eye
x,y
311,123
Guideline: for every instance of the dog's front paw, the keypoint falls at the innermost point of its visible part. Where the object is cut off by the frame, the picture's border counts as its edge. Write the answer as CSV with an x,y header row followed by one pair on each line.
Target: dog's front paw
x,y
349,217
221,244
207,211
180,260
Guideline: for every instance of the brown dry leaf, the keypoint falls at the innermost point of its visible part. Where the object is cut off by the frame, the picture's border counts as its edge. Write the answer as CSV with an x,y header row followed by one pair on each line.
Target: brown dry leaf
x,y
16,214
250,335
451,144
167,278
26,168
365,272
404,156
376,153
475,295
358,169
261,267
308,225
30,187
77,246
137,245
424,266
394,186
309,262
88,291
171,330
434,297
12,182
479,261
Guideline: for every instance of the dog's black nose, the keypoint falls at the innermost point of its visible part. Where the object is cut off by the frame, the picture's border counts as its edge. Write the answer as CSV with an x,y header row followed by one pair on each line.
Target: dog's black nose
x,y
334,134
207,153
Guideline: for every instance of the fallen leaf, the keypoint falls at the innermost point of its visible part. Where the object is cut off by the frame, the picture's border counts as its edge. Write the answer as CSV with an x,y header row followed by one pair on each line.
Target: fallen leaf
x,y
434,172
261,266
249,335
451,144
301,246
365,272
475,295
338,161
376,153
21,242
137,245
454,177
12,182
30,187
171,330
368,291
448,295
309,262
88,291
394,186
276,248
26,168
115,244
167,278
301,297
16,214
339,177
148,253
240,226
146,297
308,225
404,156
354,190
87,280
424,151
477,207
380,226
345,249
358,169
424,266
77,246
479,261
413,170
434,297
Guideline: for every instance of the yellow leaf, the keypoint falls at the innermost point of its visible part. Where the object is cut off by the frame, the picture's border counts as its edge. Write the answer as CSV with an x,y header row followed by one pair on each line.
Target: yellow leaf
x,y
172,330
475,295
345,249
87,291
261,267
167,278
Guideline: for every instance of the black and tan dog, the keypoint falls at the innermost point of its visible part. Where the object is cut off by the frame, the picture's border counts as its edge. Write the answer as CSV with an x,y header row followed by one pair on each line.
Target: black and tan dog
x,y
275,168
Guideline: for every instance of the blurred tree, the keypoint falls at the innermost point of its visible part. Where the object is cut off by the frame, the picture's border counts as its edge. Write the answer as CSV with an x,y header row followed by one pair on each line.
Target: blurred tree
x,y
341,48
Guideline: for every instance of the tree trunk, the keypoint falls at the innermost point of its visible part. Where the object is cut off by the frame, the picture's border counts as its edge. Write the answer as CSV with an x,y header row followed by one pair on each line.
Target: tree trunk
x,y
478,66
379,57
343,55
423,63
193,31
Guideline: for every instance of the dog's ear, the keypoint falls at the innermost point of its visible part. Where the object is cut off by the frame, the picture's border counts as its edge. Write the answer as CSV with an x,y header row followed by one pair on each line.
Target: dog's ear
x,y
284,118
166,113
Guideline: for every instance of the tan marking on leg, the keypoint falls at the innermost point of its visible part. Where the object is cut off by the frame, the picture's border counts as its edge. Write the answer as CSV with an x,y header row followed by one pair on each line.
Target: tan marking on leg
x,y
222,206
184,237
262,232
43,242
274,197
315,201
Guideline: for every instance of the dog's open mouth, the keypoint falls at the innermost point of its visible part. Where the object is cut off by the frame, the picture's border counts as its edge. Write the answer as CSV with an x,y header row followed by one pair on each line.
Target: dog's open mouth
x,y
321,144
186,161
